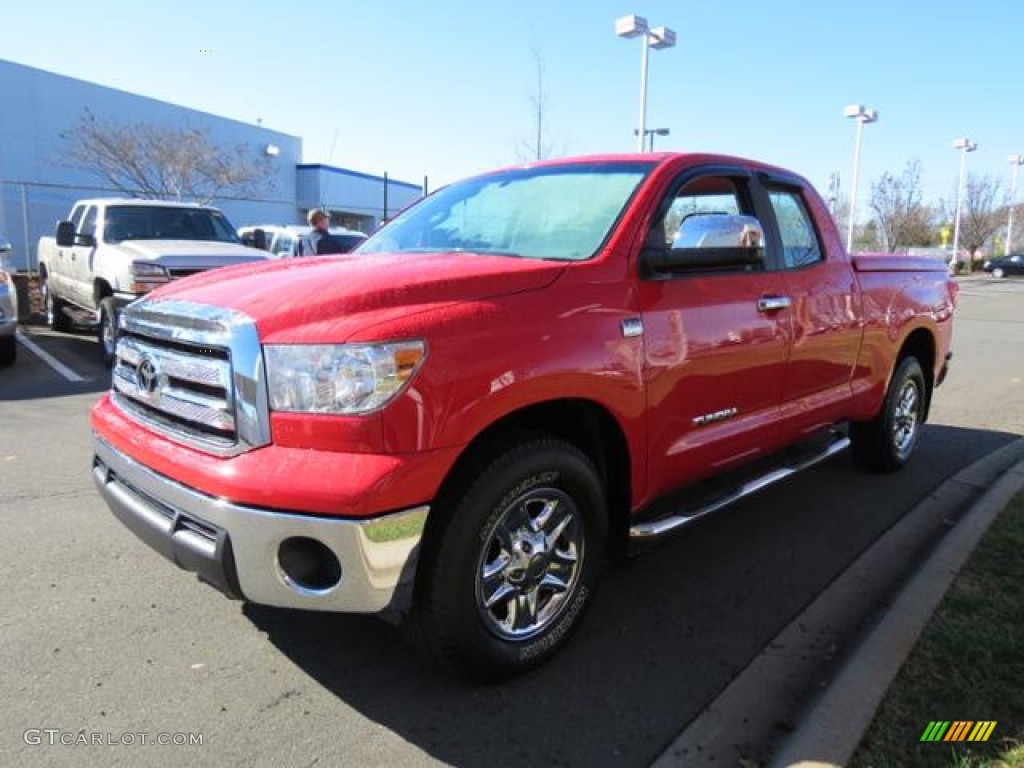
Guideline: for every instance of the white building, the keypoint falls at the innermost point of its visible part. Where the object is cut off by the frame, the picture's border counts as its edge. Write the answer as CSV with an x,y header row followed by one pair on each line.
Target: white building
x,y
38,186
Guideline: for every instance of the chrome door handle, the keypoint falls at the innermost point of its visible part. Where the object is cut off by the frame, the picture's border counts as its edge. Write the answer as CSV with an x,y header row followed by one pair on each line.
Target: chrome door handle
x,y
772,303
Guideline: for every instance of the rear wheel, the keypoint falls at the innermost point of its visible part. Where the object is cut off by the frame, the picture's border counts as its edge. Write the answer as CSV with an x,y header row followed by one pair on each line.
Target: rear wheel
x,y
506,578
886,443
107,331
54,308
8,350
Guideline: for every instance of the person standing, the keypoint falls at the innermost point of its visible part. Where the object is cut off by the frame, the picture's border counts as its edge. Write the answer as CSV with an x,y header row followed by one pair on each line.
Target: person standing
x,y
322,240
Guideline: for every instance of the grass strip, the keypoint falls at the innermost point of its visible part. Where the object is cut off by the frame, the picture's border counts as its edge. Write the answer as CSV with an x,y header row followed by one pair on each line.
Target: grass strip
x,y
968,665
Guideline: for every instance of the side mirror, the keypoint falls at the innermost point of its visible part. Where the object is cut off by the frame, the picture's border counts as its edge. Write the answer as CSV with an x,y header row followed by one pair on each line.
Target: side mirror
x,y
259,239
65,234
710,242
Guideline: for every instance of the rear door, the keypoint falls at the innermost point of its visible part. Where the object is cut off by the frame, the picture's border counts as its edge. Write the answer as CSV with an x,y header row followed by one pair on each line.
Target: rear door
x,y
824,306
715,345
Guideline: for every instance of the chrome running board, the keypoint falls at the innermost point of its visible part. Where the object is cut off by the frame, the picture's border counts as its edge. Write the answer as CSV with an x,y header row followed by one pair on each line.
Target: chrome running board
x,y
650,531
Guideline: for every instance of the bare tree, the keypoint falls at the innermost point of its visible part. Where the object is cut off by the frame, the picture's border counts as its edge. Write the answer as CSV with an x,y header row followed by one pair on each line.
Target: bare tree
x,y
538,147
901,216
982,213
162,162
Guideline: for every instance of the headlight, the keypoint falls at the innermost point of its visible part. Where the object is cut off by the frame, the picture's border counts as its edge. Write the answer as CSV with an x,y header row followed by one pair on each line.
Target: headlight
x,y
339,378
146,275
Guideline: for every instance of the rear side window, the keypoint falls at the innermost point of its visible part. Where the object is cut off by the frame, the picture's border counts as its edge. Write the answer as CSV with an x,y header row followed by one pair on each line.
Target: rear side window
x,y
800,246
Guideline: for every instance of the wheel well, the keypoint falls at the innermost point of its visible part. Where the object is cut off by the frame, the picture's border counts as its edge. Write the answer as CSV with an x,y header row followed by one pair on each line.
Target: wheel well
x,y
100,290
921,344
588,426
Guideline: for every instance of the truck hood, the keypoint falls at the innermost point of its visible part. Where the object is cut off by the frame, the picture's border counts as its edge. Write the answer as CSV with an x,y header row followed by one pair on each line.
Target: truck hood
x,y
328,299
190,253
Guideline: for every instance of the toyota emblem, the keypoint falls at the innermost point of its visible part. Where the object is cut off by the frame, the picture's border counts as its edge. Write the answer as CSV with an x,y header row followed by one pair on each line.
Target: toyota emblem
x,y
147,375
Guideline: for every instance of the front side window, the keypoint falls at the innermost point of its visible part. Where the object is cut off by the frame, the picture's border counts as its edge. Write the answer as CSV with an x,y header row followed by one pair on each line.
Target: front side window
x,y
552,212
89,222
800,247
703,196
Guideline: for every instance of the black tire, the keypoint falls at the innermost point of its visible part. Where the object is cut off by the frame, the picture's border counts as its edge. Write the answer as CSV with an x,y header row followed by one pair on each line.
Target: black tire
x,y
506,577
887,442
54,308
106,331
8,350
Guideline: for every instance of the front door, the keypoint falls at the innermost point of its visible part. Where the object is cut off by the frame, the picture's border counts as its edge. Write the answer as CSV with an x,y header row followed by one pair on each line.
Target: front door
x,y
715,350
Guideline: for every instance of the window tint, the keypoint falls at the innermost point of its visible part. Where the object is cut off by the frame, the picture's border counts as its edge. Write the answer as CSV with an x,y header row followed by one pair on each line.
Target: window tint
x,y
76,216
800,245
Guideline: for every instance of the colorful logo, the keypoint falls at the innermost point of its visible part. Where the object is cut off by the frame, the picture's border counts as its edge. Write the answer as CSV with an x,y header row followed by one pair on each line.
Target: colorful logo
x,y
958,730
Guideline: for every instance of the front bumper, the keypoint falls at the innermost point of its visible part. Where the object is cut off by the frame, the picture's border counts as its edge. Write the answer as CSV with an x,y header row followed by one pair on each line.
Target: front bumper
x,y
261,555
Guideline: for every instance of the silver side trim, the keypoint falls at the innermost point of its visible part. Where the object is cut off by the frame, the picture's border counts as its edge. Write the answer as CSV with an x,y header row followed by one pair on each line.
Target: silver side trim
x,y
378,556
666,525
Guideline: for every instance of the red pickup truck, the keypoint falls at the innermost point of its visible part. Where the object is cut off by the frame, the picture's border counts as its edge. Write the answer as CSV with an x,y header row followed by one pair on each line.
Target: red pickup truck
x,y
524,372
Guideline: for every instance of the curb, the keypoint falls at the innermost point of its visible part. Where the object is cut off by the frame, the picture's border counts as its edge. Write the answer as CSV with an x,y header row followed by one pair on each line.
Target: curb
x,y
768,700
837,723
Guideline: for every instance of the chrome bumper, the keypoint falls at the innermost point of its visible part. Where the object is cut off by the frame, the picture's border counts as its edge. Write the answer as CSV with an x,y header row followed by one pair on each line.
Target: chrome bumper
x,y
240,549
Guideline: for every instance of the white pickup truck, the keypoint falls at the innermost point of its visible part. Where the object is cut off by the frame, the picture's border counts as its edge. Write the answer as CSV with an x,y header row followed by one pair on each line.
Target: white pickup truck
x,y
111,251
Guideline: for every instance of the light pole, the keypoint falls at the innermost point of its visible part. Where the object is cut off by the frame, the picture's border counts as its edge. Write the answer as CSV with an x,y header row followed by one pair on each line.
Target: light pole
x,y
862,115
652,132
657,38
965,146
1015,162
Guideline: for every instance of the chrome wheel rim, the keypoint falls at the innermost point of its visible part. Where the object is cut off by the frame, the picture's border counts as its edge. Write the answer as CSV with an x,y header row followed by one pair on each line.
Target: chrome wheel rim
x,y
906,417
530,564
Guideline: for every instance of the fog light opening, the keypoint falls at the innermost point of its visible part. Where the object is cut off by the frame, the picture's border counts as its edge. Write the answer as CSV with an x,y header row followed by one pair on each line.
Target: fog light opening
x,y
308,565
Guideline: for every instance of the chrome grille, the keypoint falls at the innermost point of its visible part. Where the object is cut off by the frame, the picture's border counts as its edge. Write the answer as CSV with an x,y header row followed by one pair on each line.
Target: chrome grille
x,y
194,373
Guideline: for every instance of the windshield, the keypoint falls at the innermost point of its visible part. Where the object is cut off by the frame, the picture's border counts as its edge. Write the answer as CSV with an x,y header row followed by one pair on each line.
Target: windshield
x,y
553,212
140,222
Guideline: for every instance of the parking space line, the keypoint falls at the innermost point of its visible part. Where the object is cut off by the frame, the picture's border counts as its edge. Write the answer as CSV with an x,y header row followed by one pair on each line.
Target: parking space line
x,y
47,358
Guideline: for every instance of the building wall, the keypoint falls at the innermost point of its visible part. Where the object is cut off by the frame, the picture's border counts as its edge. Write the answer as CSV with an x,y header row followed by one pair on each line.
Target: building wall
x,y
38,187
356,200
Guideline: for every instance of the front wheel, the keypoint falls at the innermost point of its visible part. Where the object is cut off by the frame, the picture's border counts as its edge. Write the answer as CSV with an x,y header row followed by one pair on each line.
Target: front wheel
x,y
107,331
998,273
508,573
54,308
886,443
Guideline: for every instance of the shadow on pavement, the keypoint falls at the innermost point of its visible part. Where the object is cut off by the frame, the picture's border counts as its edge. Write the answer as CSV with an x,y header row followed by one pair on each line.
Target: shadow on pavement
x,y
665,634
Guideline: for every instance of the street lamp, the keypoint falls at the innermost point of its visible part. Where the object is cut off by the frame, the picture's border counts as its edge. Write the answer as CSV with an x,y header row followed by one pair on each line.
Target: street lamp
x,y
652,132
965,146
862,115
657,38
1015,162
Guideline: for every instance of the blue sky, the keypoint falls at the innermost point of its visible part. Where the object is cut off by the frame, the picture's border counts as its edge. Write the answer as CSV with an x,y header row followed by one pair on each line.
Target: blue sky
x,y
444,89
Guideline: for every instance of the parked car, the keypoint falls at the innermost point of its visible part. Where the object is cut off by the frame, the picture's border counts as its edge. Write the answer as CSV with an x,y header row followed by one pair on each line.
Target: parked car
x,y
110,252
1006,265
288,241
511,380
8,308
